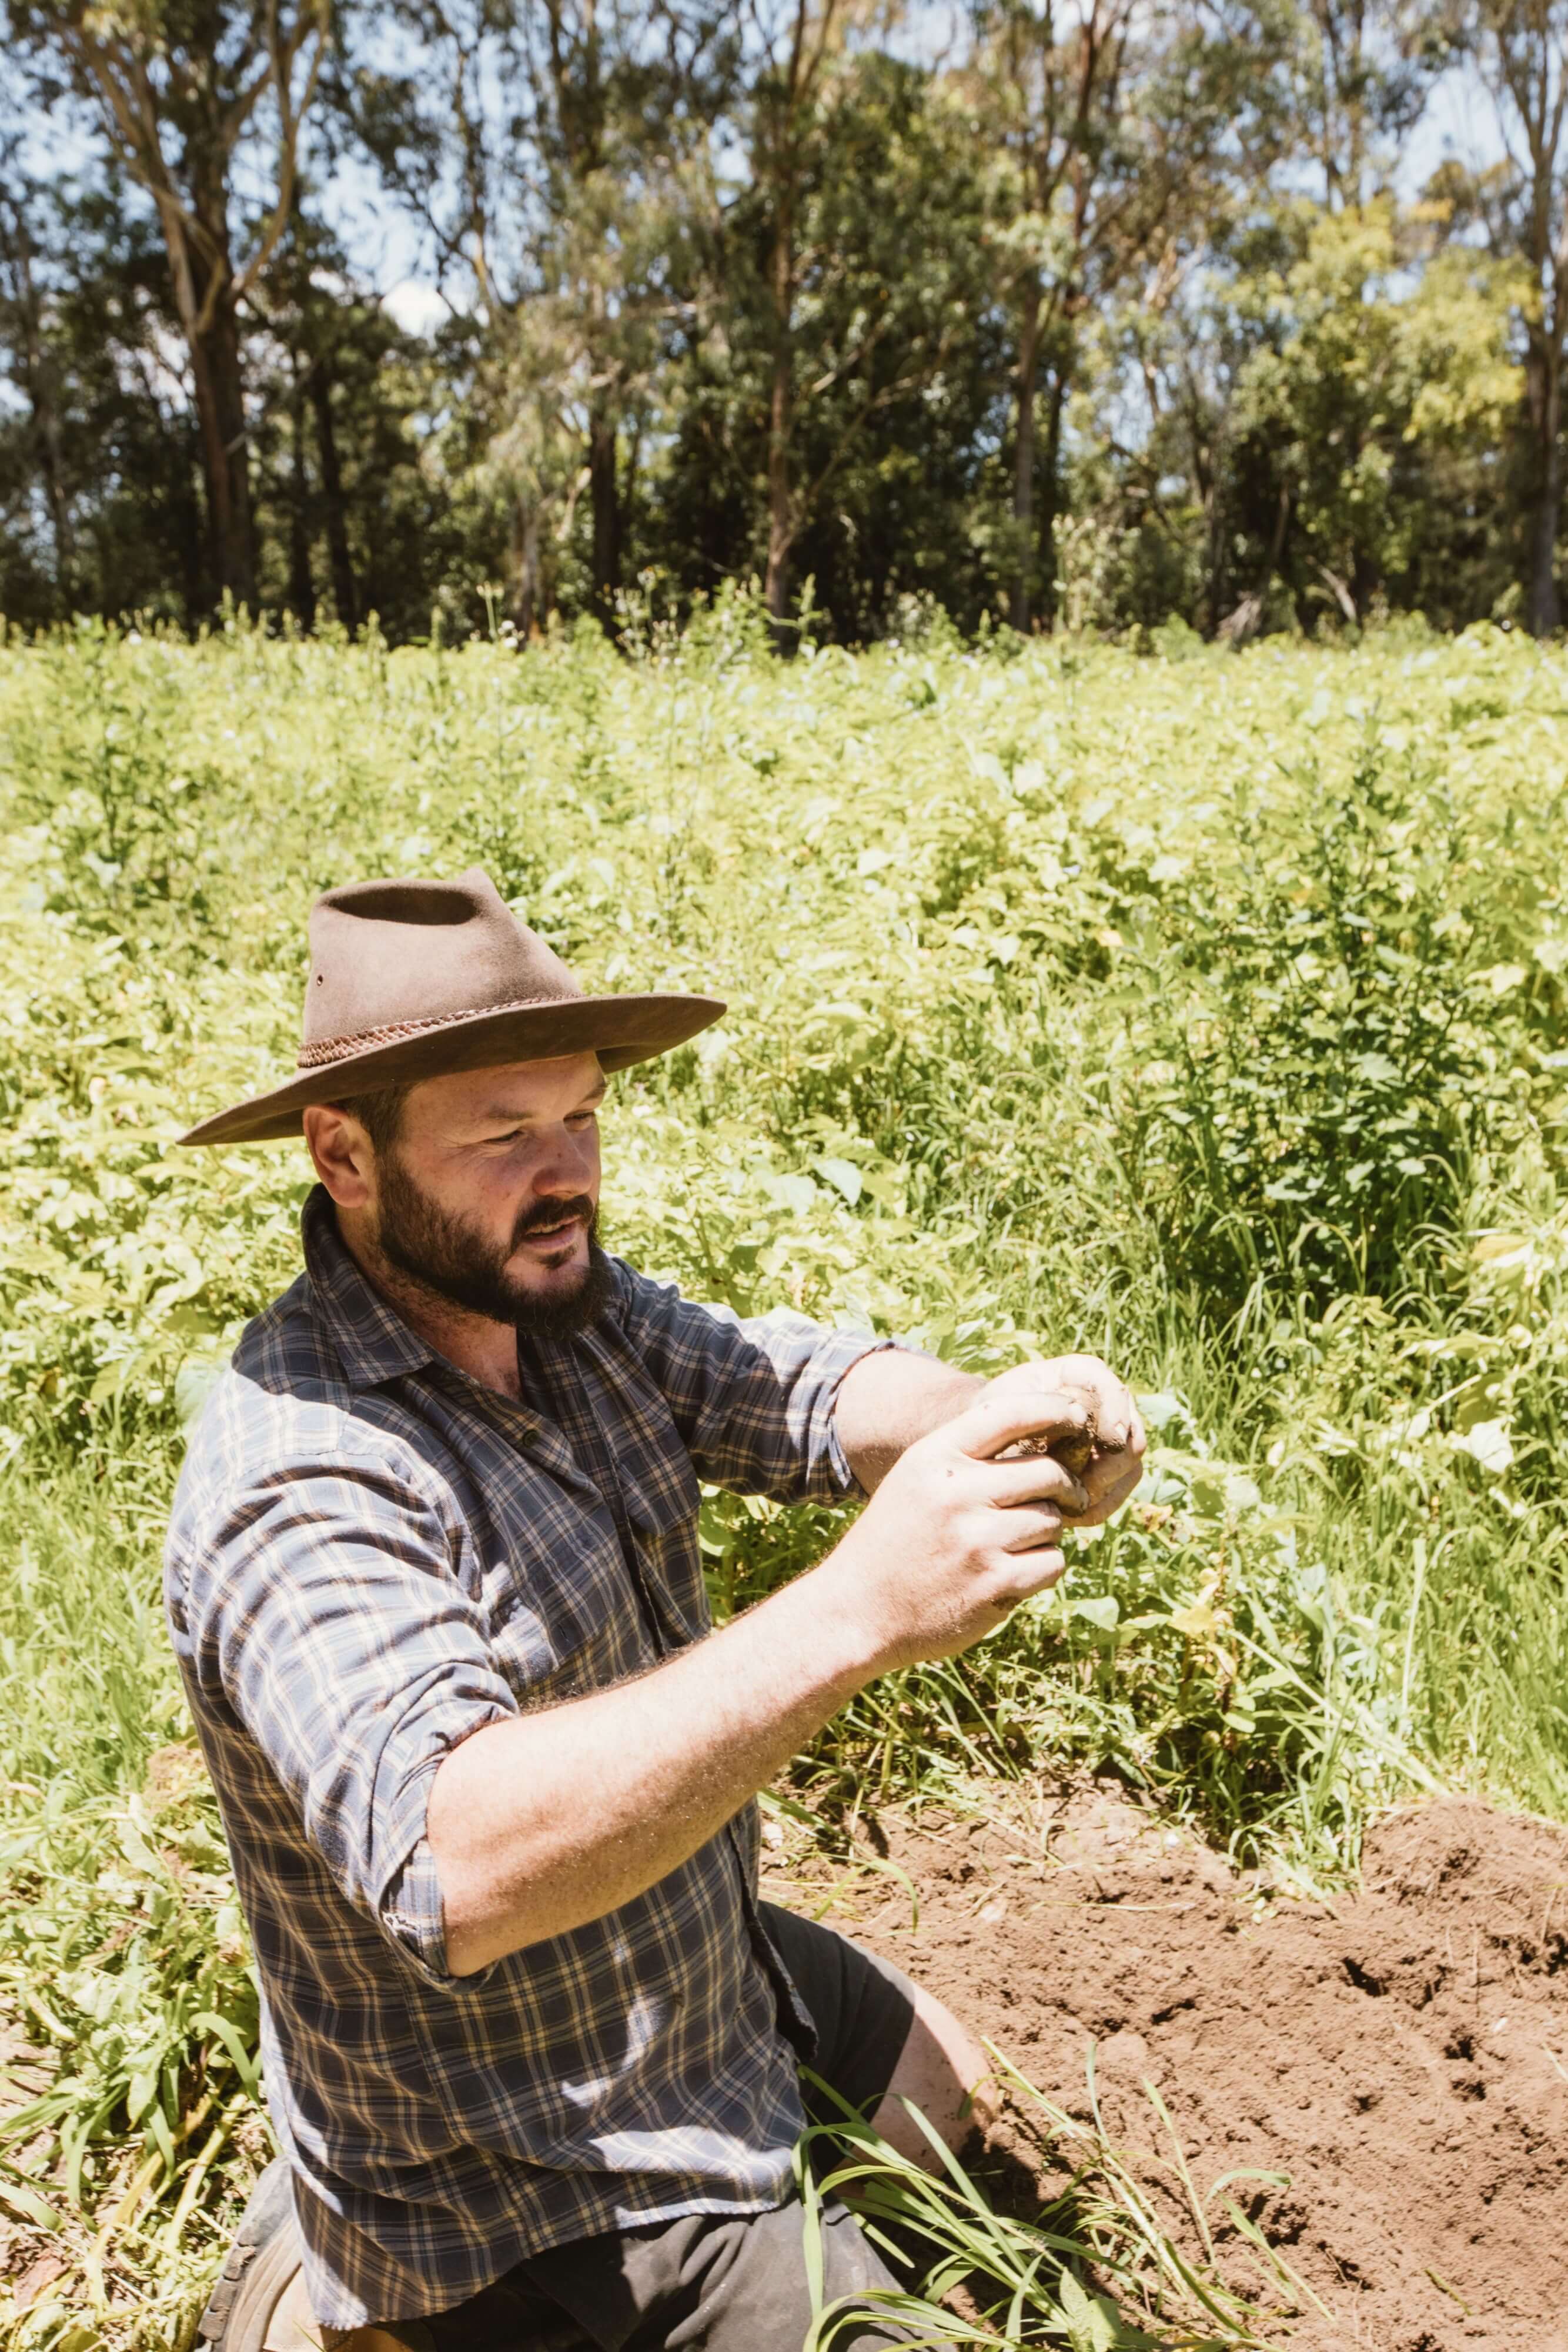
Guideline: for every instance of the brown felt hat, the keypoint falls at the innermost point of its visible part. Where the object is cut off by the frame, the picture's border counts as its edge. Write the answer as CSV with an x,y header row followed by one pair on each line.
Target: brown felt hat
x,y
414,980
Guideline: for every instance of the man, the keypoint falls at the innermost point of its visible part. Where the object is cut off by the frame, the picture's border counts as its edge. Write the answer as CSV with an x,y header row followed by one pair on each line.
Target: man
x,y
487,1774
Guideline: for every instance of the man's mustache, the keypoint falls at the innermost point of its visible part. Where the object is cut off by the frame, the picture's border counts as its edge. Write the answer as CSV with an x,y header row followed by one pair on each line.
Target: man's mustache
x,y
549,1213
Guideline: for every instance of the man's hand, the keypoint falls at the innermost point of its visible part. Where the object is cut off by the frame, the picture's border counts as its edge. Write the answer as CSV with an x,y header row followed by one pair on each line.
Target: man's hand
x,y
1117,1465
954,1537
890,1400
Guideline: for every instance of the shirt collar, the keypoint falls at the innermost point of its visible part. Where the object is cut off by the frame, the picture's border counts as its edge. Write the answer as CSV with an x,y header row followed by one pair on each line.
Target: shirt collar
x,y
372,1342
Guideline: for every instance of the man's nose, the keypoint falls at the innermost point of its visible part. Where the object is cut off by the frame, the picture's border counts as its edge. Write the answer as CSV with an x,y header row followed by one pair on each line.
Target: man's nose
x,y
566,1167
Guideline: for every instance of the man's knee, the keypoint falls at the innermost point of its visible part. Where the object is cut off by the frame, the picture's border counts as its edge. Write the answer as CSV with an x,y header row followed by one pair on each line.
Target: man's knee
x,y
944,2070
771,2283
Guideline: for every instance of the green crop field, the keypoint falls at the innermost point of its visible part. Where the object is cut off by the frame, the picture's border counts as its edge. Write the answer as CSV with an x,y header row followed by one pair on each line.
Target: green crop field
x,y
1205,1011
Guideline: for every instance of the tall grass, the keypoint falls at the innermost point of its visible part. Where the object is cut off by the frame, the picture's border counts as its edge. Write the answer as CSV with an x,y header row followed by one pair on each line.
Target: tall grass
x,y
1208,1016
90,1689
1093,2269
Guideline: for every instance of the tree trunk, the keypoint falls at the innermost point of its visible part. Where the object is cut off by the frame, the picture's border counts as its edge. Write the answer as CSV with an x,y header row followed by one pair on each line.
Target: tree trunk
x,y
218,381
187,517
1049,487
1023,453
40,378
203,276
780,418
780,535
345,588
200,77
1543,380
630,517
527,585
604,498
302,581
46,420
1212,477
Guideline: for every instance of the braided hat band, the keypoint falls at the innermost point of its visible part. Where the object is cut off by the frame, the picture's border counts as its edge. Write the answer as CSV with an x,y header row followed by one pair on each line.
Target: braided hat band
x,y
328,1050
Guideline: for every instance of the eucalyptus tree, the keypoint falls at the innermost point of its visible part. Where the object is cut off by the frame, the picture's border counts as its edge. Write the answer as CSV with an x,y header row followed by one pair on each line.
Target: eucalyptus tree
x,y
181,89
99,499
1106,121
796,46
1521,47
1359,74
557,152
1291,112
37,367
836,420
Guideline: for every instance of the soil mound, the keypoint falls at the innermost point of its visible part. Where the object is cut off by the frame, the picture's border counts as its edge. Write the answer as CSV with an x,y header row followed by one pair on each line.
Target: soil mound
x,y
1401,2054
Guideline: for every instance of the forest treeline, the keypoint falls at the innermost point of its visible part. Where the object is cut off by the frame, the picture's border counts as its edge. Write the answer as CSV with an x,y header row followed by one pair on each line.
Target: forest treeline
x,y
1110,313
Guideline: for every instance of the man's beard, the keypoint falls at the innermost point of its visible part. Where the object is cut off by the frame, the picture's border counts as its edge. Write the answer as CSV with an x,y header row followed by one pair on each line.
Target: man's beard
x,y
445,1256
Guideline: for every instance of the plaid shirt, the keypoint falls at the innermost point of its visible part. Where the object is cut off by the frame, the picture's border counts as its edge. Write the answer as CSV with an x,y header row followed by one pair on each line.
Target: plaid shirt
x,y
371,1555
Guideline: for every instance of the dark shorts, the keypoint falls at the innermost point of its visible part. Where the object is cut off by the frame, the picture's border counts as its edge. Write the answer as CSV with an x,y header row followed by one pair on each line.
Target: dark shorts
x,y
715,2283
863,2009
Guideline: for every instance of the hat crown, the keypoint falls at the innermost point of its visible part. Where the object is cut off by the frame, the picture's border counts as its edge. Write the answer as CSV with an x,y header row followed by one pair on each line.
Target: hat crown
x,y
389,955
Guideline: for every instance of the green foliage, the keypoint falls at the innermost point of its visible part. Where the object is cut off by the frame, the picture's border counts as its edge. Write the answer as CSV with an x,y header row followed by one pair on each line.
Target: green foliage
x,y
897,365
1360,392
97,461
1332,1057
704,295
128,2108
1205,1011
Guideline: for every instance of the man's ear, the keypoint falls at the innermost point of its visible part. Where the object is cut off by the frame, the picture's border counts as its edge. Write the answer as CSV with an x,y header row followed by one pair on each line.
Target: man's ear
x,y
342,1153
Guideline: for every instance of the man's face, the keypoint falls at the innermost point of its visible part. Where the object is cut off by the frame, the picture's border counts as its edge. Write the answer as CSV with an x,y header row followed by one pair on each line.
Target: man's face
x,y
489,1196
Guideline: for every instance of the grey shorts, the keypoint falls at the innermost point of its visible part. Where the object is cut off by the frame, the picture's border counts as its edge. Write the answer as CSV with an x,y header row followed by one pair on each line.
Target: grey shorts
x,y
712,2282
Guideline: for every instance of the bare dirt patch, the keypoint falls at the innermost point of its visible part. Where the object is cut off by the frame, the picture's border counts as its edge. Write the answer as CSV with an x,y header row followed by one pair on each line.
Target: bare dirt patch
x,y
1402,2053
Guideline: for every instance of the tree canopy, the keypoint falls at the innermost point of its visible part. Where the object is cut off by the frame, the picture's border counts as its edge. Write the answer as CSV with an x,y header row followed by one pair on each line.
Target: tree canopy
x,y
1036,312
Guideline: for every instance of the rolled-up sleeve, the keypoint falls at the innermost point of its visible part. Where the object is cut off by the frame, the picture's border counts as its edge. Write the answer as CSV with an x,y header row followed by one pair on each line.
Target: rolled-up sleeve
x,y
327,1607
754,1400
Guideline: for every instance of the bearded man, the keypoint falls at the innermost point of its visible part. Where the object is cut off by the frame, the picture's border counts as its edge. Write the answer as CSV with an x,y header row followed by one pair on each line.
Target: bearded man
x,y
488,1775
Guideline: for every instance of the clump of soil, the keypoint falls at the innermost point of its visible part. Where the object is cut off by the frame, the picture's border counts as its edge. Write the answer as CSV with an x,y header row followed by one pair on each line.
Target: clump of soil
x,y
1401,2053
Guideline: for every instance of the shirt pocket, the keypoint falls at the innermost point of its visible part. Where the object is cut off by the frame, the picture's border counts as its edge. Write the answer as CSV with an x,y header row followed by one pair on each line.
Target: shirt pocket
x,y
663,1521
659,1496
565,1618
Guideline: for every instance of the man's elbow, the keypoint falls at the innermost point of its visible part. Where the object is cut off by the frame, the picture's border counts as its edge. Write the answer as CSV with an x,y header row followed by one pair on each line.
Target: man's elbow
x,y
483,1924
514,1871
495,1891
455,1832
468,1950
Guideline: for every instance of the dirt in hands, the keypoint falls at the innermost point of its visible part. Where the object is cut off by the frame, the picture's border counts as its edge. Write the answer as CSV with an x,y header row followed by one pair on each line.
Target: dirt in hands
x,y
1400,2053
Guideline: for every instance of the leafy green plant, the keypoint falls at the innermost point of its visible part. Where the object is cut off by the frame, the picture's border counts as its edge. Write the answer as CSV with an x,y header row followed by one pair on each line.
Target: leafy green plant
x,y
1328,1071
1064,989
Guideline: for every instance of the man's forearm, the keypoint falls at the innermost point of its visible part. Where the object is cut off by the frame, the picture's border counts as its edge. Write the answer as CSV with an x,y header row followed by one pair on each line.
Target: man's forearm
x,y
545,1822
886,1402
541,1823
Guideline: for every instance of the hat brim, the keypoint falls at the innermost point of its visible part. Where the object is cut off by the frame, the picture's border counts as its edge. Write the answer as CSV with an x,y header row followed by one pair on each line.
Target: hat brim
x,y
621,1030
